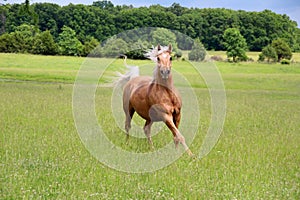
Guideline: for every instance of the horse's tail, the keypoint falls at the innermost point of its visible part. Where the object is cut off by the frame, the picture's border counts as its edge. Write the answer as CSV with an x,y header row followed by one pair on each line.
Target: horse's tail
x,y
133,71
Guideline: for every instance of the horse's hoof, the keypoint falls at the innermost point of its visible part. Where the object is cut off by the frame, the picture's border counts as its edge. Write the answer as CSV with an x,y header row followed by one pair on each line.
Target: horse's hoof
x,y
190,153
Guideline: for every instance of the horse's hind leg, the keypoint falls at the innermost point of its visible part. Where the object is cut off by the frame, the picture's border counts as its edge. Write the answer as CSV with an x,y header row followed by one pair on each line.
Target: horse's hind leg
x,y
129,113
147,130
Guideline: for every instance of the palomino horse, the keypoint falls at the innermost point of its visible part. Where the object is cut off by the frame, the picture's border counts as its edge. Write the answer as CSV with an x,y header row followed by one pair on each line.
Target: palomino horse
x,y
154,98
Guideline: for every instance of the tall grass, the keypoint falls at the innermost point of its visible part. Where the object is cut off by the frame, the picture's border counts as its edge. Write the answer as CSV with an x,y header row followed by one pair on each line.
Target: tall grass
x,y
257,156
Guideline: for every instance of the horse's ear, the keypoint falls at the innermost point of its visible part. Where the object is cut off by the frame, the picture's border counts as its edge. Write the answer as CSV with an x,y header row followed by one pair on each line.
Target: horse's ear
x,y
158,47
170,48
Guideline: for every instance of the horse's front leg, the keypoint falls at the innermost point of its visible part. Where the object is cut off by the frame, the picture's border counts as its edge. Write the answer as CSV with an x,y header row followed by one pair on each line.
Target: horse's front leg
x,y
147,130
178,138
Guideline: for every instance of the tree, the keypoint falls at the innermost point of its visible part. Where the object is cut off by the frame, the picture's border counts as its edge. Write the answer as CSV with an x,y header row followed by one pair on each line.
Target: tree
x,y
89,46
3,13
235,44
26,9
6,43
48,17
268,52
19,41
164,37
138,49
282,49
102,20
68,42
23,38
114,47
104,4
177,9
44,44
198,52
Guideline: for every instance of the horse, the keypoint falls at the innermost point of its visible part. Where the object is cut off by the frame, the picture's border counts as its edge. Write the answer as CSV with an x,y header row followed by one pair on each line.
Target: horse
x,y
154,98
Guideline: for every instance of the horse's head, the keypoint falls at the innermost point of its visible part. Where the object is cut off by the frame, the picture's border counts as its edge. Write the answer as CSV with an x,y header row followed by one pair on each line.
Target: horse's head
x,y
164,62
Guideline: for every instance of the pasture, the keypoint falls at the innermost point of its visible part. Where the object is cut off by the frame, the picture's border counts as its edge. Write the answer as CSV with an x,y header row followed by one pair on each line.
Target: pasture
x,y
257,155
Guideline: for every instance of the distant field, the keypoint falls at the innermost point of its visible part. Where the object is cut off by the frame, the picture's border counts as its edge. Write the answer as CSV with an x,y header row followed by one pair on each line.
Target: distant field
x,y
42,156
222,54
253,55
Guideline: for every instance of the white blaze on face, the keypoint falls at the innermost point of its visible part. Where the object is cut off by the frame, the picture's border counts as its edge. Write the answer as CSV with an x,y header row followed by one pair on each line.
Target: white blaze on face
x,y
164,55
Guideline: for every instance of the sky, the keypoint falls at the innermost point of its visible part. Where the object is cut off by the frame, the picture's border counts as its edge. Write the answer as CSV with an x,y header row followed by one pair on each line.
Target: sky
x,y
288,7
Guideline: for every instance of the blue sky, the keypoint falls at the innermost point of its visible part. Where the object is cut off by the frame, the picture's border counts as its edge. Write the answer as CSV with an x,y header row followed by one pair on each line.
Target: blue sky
x,y
289,7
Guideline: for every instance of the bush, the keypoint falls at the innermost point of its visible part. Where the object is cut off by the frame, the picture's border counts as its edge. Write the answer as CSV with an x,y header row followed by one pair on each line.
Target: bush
x,y
68,43
285,62
89,46
136,54
44,44
269,53
261,57
6,43
198,52
178,54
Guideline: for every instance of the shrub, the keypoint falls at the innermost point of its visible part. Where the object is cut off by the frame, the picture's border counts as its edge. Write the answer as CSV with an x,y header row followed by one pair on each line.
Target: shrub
x,y
198,52
136,54
178,54
285,62
269,53
282,49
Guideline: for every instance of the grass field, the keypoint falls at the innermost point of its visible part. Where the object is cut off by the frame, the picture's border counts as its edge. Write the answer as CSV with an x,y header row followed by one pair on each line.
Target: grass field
x,y
42,156
252,55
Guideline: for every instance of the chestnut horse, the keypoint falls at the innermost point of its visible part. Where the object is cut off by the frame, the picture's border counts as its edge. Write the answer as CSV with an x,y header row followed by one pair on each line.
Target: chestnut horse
x,y
154,98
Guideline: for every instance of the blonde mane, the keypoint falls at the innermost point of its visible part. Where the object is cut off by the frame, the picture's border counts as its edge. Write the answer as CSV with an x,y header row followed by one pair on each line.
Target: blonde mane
x,y
154,52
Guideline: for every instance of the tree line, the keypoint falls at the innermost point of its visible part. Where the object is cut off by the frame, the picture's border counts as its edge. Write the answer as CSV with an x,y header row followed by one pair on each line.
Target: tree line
x,y
47,28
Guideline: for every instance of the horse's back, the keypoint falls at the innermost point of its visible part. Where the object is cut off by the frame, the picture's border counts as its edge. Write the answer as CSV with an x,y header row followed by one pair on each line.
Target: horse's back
x,y
135,95
137,82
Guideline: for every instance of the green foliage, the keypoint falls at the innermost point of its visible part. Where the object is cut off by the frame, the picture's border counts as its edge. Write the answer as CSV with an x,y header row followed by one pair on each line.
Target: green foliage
x,y
282,49
26,9
19,41
268,53
44,44
3,13
285,62
178,54
102,20
104,4
198,52
114,47
68,42
48,17
6,43
25,39
89,46
235,44
138,49
164,37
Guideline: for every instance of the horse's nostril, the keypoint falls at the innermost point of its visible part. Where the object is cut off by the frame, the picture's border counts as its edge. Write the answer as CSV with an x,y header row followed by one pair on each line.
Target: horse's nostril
x,y
167,71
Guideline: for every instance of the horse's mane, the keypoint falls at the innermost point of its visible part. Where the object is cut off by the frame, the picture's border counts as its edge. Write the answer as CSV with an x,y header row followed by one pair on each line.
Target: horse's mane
x,y
154,52
133,71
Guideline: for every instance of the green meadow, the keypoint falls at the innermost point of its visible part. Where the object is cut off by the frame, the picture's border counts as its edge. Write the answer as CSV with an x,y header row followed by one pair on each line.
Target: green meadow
x,y
42,157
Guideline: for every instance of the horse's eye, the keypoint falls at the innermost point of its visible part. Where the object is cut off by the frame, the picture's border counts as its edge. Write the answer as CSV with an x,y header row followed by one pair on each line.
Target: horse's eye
x,y
171,58
158,59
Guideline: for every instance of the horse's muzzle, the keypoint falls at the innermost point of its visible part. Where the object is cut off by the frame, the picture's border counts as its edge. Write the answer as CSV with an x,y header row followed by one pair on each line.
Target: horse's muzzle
x,y
165,73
